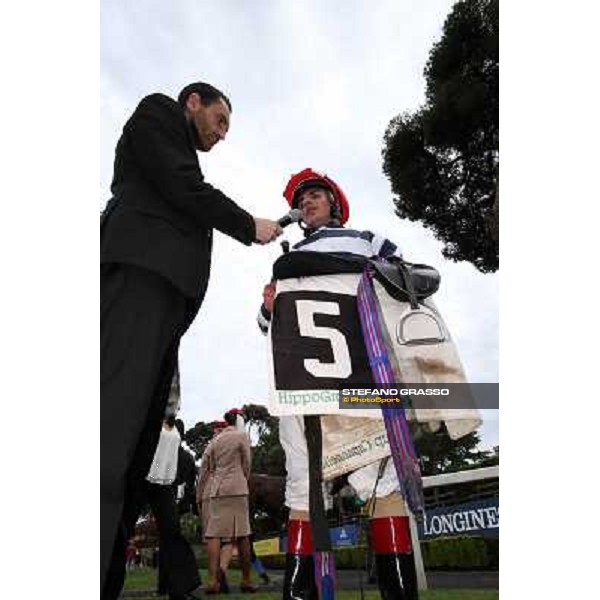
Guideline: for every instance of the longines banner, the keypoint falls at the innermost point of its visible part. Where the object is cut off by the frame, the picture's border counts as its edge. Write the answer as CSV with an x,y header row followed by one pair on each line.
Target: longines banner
x,y
472,518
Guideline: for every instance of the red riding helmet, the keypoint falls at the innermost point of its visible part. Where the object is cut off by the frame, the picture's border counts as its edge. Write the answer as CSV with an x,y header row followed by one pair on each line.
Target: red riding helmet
x,y
310,178
235,411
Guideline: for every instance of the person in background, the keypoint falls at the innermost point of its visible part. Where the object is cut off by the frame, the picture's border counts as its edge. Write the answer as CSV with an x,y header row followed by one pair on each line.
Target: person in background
x,y
185,481
203,505
176,558
130,555
229,462
257,564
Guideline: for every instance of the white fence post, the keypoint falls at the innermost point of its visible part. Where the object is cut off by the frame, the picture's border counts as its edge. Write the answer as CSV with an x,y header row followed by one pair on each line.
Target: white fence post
x,y
414,534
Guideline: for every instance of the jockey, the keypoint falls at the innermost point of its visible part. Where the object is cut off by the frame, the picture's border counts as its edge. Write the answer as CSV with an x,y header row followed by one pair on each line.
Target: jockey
x,y
325,210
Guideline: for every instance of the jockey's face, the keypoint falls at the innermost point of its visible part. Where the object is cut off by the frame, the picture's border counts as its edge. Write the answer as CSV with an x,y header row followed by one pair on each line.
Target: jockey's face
x,y
315,206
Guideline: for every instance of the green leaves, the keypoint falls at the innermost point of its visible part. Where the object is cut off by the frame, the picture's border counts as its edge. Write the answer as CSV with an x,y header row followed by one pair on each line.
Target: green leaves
x,y
443,160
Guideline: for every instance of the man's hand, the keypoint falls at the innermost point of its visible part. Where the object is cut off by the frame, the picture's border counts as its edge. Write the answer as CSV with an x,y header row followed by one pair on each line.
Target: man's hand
x,y
269,296
266,230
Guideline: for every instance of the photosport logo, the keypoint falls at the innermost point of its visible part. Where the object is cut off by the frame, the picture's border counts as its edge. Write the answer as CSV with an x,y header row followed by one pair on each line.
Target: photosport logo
x,y
421,396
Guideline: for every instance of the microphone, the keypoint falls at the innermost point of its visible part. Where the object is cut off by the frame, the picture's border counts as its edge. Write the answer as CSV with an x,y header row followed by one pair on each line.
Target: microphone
x,y
292,217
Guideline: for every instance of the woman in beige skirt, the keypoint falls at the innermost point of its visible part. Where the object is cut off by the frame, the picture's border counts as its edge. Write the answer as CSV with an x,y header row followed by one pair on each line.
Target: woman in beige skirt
x,y
228,462
228,517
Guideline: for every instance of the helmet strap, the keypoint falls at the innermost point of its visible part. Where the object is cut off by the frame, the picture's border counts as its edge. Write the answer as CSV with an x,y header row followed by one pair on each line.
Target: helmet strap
x,y
335,211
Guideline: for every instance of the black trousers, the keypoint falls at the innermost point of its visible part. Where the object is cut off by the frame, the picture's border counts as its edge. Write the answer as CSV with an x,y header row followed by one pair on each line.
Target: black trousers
x,y
176,558
142,320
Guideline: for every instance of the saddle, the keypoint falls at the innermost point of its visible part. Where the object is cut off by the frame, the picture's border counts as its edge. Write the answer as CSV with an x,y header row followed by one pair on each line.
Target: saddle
x,y
420,325
407,282
401,279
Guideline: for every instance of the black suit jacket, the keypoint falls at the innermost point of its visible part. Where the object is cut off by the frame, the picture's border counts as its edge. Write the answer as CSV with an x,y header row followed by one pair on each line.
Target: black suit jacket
x,y
163,212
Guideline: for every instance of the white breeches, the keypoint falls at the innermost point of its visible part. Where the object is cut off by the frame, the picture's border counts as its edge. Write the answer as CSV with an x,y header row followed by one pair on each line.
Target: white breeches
x,y
363,480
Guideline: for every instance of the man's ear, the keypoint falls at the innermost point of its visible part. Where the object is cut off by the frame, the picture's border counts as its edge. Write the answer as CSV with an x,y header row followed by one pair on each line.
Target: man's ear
x,y
193,102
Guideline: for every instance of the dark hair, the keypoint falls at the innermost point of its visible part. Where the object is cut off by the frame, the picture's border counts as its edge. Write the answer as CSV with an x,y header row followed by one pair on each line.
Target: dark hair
x,y
170,420
230,418
208,94
180,427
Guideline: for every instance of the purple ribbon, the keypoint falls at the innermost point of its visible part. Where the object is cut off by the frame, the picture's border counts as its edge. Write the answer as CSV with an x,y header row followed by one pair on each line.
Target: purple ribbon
x,y
325,574
403,452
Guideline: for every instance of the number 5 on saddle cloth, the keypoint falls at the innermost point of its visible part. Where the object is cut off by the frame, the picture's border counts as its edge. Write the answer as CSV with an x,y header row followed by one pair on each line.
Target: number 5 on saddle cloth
x,y
316,348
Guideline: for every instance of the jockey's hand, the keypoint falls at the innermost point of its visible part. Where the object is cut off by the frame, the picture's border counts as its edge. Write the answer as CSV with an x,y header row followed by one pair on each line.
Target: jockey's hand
x,y
269,296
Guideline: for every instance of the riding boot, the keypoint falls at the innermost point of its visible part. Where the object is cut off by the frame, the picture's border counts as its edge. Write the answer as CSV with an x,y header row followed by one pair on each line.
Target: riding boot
x,y
394,560
299,582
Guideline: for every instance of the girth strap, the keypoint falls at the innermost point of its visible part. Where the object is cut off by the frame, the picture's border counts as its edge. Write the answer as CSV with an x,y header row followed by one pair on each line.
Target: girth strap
x,y
323,556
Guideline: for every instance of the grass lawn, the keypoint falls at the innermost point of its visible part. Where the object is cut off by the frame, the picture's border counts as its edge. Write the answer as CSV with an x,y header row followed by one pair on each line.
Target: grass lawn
x,y
145,579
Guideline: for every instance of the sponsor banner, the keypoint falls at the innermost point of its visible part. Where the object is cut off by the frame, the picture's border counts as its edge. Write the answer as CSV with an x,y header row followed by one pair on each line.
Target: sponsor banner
x,y
266,547
347,535
472,518
346,450
306,401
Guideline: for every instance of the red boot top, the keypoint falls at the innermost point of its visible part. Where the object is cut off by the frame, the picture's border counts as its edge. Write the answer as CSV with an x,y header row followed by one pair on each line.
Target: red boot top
x,y
299,537
390,535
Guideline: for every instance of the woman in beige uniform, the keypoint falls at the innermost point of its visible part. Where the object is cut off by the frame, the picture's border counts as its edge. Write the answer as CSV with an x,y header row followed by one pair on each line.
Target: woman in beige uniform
x,y
228,460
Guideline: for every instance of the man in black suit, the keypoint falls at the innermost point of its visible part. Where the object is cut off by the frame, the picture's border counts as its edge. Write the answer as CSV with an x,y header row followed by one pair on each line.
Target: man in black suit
x,y
156,239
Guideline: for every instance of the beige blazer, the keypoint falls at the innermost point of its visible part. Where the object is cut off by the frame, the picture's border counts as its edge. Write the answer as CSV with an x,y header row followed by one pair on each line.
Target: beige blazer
x,y
204,477
229,462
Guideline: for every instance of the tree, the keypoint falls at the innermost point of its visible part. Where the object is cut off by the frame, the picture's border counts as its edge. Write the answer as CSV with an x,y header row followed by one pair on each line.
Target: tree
x,y
442,161
268,457
198,437
267,482
440,454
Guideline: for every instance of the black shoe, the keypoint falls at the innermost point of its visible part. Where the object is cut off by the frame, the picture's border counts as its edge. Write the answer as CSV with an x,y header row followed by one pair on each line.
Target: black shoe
x,y
266,579
195,594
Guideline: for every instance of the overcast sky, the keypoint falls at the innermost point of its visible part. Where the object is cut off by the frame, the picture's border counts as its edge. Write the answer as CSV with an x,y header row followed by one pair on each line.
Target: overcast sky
x,y
313,84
